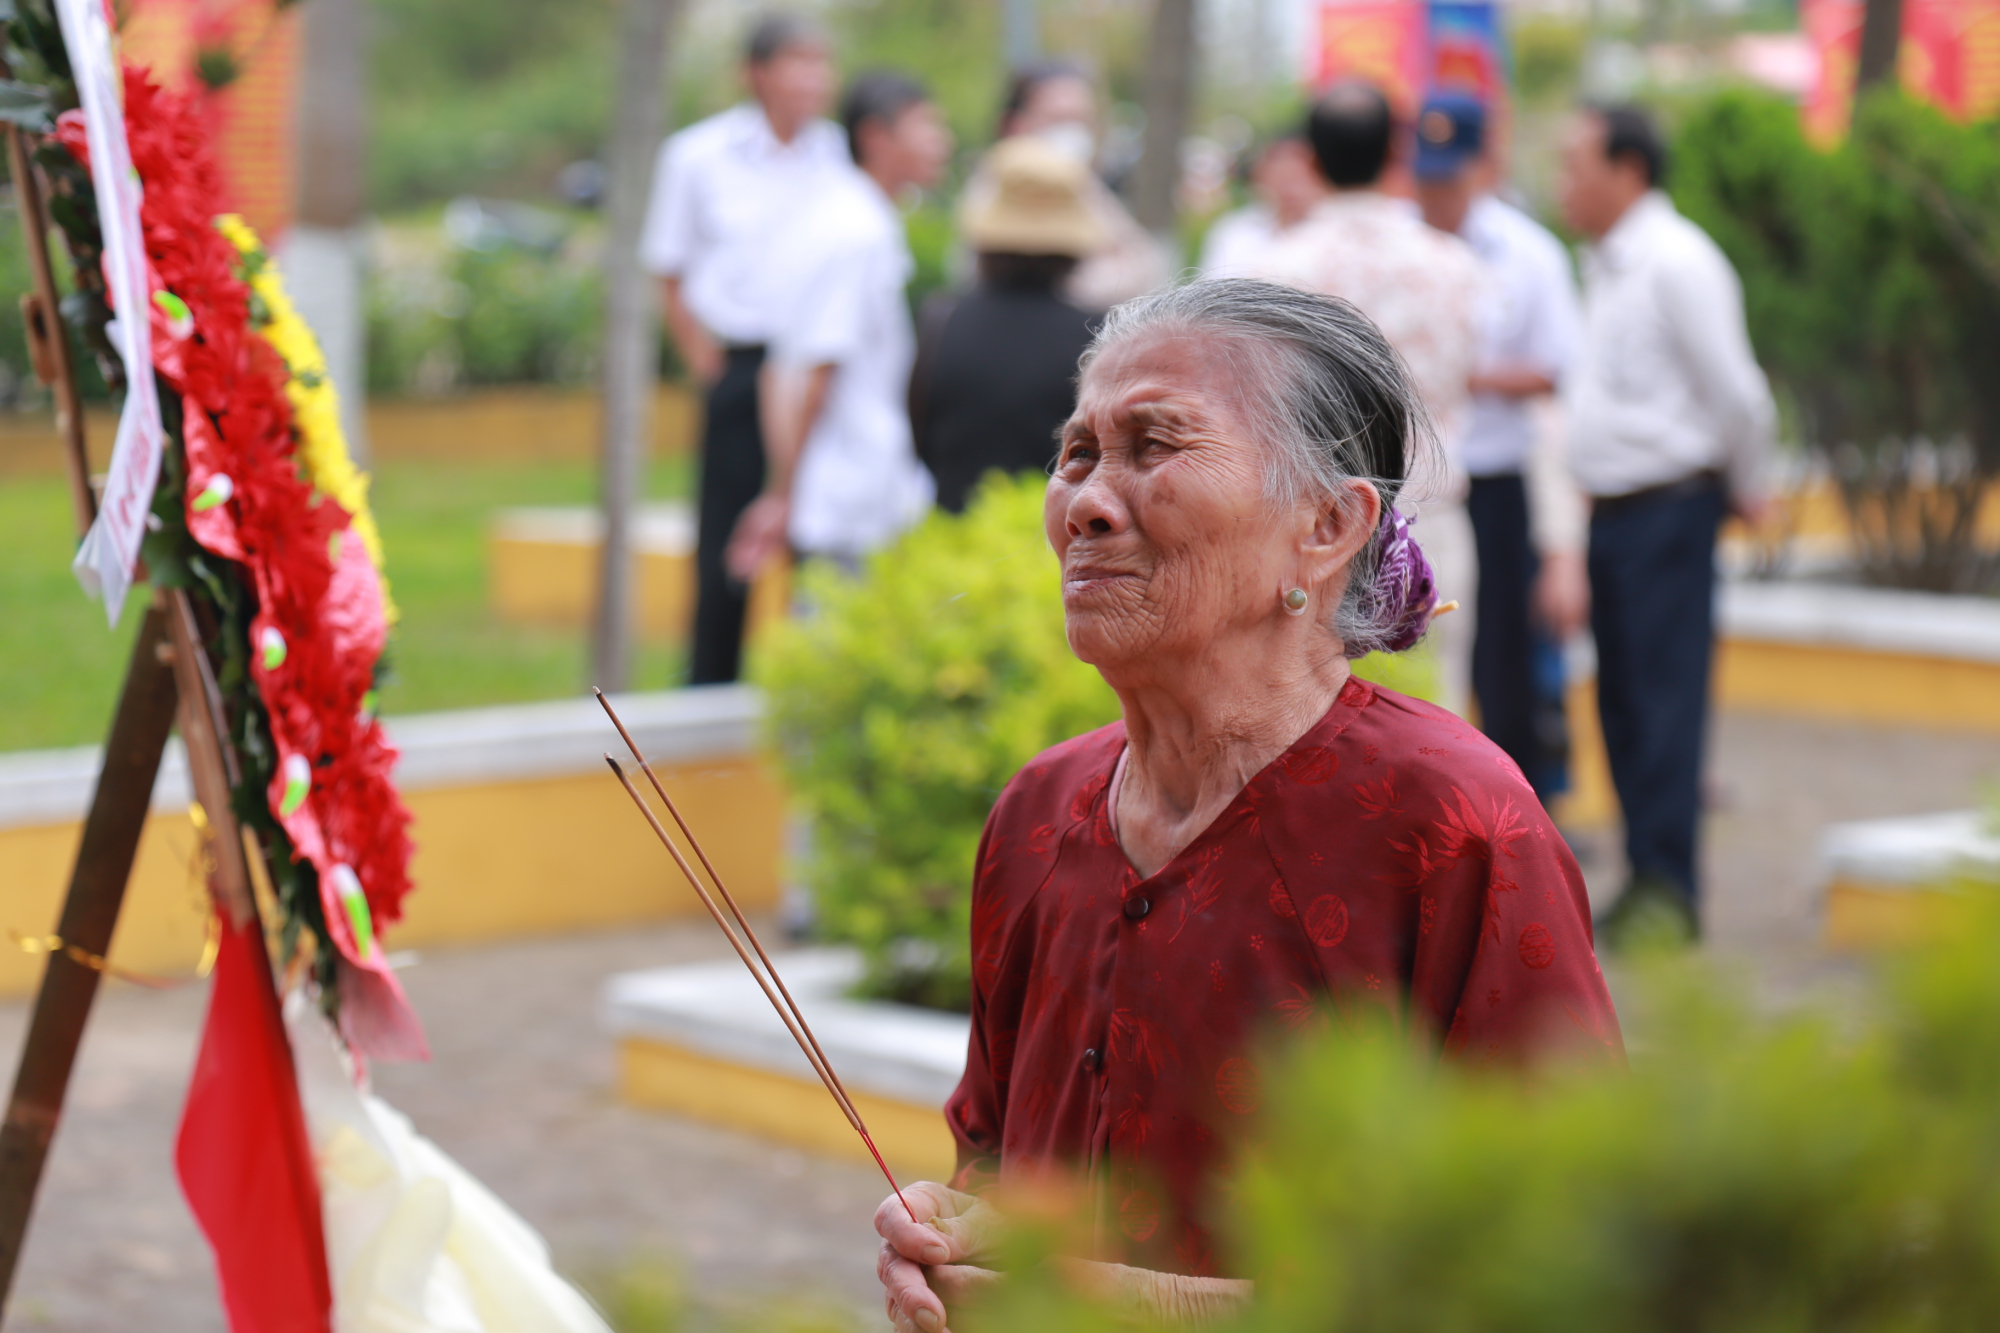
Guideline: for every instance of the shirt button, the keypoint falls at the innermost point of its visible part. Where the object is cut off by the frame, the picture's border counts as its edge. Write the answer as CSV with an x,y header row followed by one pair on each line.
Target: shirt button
x,y
1137,907
1093,1059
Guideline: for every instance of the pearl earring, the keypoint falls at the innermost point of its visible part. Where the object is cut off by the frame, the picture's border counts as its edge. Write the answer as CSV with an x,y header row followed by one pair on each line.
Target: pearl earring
x,y
1295,602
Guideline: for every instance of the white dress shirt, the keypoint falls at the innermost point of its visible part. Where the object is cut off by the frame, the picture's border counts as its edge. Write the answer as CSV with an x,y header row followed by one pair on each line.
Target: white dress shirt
x,y
722,190
1425,289
1531,322
843,269
1666,384
1236,242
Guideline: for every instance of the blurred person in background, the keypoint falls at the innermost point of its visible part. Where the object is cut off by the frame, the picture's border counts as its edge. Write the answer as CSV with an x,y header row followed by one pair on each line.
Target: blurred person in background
x,y
1670,428
995,374
1054,101
1424,289
841,476
1532,590
1286,186
722,191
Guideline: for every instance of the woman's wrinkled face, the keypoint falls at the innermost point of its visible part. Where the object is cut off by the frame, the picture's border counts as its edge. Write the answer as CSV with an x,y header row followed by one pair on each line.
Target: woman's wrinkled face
x,y
1158,510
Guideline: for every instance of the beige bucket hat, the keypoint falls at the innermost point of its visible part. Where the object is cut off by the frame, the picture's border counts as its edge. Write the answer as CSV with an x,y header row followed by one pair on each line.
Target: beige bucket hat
x,y
1034,201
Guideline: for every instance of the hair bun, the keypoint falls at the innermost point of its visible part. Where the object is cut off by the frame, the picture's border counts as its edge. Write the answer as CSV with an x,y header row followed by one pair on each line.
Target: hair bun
x,y
1405,586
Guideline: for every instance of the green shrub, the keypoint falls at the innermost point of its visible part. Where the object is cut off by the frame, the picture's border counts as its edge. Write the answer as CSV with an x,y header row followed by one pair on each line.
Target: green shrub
x,y
1833,1171
1548,57
1871,279
508,315
903,704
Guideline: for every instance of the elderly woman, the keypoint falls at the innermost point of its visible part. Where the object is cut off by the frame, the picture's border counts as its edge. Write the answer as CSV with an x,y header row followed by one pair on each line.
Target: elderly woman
x,y
1265,843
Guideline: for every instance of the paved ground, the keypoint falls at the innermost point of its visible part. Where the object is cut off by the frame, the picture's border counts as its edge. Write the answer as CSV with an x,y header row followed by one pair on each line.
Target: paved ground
x,y
520,1088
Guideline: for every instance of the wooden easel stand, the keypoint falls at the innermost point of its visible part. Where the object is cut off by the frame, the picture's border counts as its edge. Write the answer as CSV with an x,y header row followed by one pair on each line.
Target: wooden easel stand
x,y
169,673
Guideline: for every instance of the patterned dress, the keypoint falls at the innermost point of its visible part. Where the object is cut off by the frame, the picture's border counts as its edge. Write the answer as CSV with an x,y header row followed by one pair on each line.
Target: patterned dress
x,y
1392,859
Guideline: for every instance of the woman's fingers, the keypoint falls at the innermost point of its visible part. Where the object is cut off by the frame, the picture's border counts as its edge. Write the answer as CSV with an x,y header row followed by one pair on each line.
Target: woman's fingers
x,y
913,1307
970,1232
920,1241
959,1285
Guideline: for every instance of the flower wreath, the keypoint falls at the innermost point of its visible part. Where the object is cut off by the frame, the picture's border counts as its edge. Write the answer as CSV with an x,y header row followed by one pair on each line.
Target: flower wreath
x,y
264,515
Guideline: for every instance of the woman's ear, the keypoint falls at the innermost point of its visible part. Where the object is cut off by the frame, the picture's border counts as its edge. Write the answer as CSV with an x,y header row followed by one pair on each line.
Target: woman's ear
x,y
1343,525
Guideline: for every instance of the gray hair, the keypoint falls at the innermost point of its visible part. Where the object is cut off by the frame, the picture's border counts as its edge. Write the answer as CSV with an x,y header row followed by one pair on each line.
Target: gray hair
x,y
1331,399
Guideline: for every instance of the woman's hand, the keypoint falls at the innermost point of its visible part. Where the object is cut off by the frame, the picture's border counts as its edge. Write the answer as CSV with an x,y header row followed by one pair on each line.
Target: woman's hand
x,y
1158,1298
930,1265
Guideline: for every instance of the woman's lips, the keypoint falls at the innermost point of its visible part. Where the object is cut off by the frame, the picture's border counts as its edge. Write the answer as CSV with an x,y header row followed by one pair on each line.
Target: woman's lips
x,y
1084,578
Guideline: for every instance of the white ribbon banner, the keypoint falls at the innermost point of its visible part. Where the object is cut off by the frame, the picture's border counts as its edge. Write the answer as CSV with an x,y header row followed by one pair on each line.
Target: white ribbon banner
x,y
111,548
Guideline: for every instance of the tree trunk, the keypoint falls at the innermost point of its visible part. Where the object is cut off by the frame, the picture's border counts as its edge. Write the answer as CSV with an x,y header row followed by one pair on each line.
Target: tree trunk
x,y
631,335
1881,35
1168,97
321,253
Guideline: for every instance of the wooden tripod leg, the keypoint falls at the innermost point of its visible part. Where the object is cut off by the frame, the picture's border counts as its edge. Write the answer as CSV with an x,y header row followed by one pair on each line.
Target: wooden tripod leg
x,y
90,911
210,768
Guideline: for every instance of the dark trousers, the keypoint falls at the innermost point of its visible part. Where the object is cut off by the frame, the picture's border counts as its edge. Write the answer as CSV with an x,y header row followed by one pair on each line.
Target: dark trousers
x,y
1520,699
1652,592
732,473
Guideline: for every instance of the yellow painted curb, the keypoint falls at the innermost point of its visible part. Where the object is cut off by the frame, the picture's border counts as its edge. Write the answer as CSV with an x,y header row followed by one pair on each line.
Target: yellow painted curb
x,y
1878,916
663,1076
1856,685
494,860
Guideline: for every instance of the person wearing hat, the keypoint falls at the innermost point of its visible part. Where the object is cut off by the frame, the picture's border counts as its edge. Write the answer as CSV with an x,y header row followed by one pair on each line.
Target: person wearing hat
x,y
1056,101
995,376
1527,518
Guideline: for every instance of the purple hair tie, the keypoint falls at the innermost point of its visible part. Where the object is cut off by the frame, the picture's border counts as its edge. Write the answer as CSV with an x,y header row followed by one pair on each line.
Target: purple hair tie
x,y
1405,587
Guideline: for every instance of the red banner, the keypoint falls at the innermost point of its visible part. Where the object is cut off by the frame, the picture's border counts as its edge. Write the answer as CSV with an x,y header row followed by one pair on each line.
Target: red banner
x,y
1386,42
1950,57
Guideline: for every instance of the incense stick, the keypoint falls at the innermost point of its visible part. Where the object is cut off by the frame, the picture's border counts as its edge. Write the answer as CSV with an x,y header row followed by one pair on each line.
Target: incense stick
x,y
727,897
794,1022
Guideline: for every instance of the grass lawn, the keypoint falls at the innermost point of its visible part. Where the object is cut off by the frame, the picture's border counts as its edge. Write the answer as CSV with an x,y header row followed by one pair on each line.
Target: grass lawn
x,y
60,667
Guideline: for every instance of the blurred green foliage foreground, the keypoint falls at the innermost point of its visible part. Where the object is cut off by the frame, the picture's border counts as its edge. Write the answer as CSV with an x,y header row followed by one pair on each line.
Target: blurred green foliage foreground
x,y
1749,1175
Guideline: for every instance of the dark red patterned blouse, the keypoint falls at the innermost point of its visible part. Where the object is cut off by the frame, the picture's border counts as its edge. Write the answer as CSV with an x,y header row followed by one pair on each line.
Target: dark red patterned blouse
x,y
1393,857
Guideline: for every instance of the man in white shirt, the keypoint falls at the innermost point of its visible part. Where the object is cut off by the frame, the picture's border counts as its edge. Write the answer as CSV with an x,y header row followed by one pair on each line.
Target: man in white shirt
x,y
843,476
723,190
1287,187
1671,425
1425,291
1532,594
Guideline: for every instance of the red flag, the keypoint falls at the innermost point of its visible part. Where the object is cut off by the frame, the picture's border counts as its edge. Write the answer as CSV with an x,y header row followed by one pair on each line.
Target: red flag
x,y
245,1162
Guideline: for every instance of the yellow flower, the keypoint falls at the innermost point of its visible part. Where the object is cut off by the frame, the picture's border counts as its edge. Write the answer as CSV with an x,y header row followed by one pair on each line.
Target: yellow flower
x,y
315,408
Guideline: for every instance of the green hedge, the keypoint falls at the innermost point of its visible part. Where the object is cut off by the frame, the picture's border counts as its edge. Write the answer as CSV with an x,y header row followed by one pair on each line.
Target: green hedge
x,y
508,315
1871,278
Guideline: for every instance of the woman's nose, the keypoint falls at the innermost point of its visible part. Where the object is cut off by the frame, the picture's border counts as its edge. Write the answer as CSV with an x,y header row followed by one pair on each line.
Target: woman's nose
x,y
1096,509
